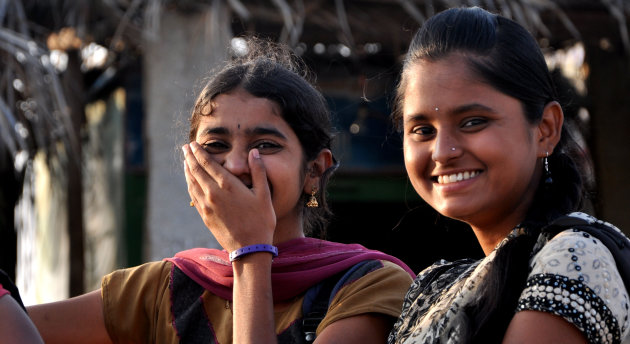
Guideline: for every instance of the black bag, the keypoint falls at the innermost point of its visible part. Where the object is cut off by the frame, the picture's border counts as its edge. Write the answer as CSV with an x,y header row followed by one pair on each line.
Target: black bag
x,y
616,241
318,299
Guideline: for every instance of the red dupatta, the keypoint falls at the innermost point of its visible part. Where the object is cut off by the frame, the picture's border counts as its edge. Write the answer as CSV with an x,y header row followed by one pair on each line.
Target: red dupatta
x,y
301,263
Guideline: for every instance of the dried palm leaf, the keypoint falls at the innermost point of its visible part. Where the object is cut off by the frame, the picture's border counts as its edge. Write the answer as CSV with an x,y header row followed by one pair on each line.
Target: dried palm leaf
x,y
412,10
616,9
342,17
36,111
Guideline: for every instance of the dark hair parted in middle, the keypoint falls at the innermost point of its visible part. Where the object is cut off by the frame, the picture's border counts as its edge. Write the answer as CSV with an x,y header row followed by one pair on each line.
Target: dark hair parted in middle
x,y
272,71
502,54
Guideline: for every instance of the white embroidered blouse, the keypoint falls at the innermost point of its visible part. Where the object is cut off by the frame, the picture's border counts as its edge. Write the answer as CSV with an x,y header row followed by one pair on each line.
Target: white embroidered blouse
x,y
573,275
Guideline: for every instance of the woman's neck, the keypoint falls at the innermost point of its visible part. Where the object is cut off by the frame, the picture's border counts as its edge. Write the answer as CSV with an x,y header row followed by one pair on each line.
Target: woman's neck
x,y
492,233
492,227
288,229
489,240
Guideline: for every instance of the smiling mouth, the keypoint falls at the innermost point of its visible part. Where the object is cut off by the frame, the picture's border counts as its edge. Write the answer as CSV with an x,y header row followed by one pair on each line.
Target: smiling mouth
x,y
455,177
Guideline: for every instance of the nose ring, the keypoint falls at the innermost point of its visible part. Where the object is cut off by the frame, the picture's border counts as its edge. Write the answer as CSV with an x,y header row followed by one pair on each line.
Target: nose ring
x,y
453,149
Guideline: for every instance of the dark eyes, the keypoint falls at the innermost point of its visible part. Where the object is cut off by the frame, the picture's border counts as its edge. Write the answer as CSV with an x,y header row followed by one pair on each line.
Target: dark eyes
x,y
266,146
215,147
474,122
424,130
263,146
470,125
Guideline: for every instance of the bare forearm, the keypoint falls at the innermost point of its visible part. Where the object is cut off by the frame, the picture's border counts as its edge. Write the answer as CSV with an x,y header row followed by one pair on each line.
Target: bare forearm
x,y
253,300
77,320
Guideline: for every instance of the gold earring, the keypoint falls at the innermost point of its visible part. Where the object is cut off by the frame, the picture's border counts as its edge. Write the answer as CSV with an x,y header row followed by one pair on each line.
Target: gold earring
x,y
312,203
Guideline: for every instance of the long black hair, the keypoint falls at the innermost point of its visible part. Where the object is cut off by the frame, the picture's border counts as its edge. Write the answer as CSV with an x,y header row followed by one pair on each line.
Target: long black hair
x,y
269,70
505,56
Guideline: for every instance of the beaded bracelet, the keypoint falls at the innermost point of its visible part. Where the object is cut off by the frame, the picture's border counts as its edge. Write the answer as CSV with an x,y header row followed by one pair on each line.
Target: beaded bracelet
x,y
236,254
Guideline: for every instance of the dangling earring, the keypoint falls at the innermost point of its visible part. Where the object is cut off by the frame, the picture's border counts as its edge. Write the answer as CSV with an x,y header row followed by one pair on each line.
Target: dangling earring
x,y
548,179
312,203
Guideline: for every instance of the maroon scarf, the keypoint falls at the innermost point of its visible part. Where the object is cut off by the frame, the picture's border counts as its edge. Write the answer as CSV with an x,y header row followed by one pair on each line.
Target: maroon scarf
x,y
301,263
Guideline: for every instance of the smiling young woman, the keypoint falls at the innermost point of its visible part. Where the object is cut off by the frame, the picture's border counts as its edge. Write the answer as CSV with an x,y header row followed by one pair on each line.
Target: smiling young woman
x,y
478,133
256,165
239,123
485,143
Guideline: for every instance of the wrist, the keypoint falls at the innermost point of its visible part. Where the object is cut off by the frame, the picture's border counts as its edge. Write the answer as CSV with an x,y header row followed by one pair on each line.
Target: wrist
x,y
252,267
247,250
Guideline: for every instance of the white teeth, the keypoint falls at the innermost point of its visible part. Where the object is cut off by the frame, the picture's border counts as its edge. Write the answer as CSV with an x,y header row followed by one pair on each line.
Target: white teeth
x,y
457,177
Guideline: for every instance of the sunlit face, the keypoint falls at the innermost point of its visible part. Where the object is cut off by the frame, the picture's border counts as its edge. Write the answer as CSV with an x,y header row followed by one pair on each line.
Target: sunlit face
x,y
240,122
469,150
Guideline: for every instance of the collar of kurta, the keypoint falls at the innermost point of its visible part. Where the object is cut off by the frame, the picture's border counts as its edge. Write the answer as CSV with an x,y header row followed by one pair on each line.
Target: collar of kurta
x,y
300,264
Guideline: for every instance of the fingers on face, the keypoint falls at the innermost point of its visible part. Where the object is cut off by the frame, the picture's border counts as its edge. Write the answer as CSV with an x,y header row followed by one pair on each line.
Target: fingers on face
x,y
199,166
196,176
194,190
258,171
205,169
203,173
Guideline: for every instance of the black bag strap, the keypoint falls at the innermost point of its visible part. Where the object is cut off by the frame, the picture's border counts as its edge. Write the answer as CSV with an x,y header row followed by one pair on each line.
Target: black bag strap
x,y
318,297
315,307
189,316
616,241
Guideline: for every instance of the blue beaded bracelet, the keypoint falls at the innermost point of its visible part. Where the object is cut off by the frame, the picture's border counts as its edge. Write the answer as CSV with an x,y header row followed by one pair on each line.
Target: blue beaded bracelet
x,y
236,254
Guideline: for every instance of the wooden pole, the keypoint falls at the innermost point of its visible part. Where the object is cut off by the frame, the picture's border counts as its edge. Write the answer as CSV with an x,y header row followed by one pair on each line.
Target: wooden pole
x,y
73,88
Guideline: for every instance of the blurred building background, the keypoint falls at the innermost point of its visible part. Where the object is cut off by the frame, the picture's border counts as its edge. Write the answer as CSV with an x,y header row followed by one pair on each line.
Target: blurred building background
x,y
95,96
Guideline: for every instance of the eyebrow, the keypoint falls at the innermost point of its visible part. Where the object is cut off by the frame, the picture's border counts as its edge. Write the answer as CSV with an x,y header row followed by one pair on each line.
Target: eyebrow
x,y
266,131
250,132
215,131
472,107
457,111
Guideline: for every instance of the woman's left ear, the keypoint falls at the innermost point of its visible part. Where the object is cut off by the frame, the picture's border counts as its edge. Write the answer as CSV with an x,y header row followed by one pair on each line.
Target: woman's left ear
x,y
316,168
550,128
